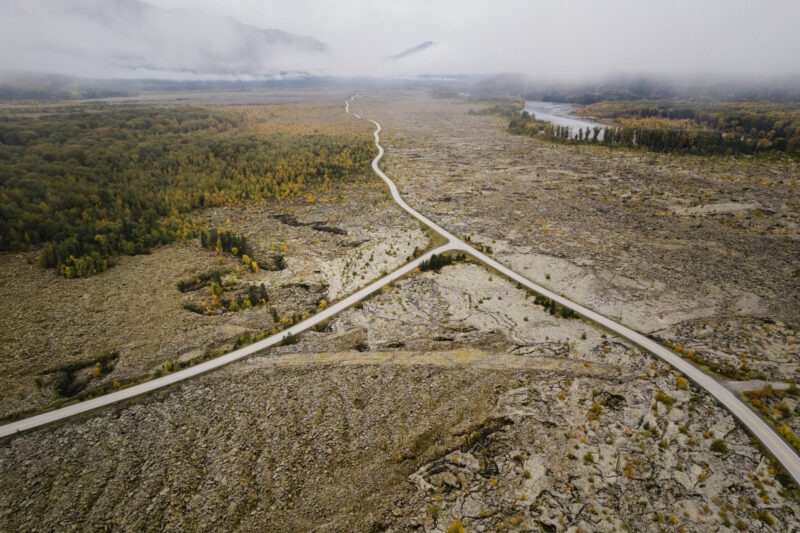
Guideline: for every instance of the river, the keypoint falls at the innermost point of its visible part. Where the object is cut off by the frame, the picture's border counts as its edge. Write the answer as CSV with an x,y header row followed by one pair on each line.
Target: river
x,y
561,114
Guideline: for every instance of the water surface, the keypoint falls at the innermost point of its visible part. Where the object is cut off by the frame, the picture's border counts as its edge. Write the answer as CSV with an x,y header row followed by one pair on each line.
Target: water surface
x,y
562,114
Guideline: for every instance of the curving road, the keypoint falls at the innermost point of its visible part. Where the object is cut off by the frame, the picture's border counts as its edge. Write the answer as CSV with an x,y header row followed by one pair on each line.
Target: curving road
x,y
762,430
781,450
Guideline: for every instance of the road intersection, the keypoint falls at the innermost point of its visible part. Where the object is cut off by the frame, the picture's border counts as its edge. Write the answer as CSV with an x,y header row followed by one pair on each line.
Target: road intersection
x,y
759,428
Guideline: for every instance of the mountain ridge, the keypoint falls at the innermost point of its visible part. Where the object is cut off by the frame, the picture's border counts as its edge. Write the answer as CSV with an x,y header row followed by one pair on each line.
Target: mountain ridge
x,y
131,38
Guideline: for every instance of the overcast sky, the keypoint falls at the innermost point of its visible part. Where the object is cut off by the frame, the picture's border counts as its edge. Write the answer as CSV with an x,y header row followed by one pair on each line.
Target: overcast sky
x,y
698,36
577,38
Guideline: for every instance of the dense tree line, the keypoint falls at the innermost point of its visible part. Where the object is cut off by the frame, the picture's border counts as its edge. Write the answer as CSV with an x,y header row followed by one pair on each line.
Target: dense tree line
x,y
436,262
90,186
225,241
526,124
670,140
554,308
748,126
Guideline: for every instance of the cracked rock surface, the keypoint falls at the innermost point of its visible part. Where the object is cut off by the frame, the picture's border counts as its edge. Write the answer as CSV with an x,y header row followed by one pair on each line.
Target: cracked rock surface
x,y
652,240
448,396
363,427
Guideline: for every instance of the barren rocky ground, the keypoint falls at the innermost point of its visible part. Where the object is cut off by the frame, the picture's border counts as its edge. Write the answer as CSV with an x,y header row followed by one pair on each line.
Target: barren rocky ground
x,y
475,404
449,395
652,240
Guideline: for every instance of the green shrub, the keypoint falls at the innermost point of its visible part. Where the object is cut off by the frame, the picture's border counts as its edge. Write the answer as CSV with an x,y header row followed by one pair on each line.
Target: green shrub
x,y
719,446
289,339
595,411
665,399
456,527
436,262
765,517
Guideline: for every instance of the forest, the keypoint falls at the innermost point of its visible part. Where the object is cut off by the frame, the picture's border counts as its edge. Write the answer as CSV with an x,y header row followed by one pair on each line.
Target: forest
x,y
681,126
91,184
769,125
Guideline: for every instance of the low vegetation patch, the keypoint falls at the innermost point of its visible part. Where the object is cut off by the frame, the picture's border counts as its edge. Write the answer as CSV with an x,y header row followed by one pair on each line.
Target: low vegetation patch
x,y
73,378
436,262
216,303
200,281
289,340
721,368
719,446
665,398
227,241
773,406
554,308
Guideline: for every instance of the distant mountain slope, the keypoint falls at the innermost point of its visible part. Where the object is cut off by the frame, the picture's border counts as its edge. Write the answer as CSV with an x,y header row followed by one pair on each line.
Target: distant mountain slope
x,y
130,38
415,50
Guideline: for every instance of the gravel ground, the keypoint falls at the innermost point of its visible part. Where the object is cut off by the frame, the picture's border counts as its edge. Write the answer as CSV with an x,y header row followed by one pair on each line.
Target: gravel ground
x,y
136,310
450,395
651,240
527,425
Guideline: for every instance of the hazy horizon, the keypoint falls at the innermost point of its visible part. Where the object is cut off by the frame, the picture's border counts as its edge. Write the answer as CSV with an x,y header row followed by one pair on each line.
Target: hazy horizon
x,y
569,42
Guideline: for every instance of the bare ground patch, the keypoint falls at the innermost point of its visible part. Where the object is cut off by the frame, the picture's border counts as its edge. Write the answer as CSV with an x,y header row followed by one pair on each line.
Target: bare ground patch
x,y
484,428
650,240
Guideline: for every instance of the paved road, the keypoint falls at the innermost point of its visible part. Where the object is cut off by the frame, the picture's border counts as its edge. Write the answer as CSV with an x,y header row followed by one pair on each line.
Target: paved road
x,y
764,432
758,427
754,384
175,377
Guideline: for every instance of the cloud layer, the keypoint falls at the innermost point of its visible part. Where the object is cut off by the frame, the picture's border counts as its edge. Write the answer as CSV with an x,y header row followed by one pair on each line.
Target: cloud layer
x,y
559,40
128,38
